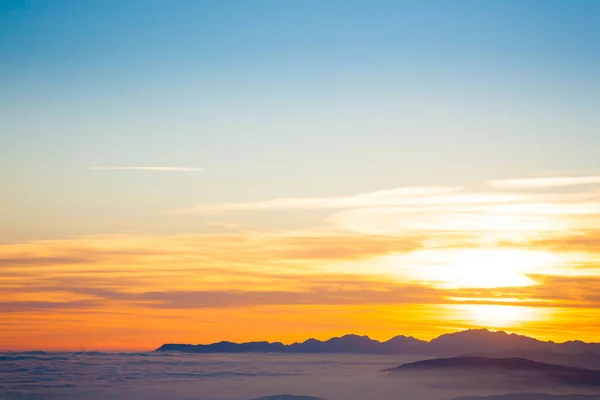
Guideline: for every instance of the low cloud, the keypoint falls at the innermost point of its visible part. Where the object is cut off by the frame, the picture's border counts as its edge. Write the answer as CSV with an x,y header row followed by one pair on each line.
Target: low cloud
x,y
579,241
236,299
32,260
238,270
419,250
549,182
35,306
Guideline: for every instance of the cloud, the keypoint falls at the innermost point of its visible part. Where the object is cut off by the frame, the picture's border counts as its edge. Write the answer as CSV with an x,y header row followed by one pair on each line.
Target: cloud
x,y
195,261
369,199
32,260
171,169
533,183
579,241
225,225
34,306
491,217
332,290
188,287
446,214
570,291
553,291
399,249
255,269
194,299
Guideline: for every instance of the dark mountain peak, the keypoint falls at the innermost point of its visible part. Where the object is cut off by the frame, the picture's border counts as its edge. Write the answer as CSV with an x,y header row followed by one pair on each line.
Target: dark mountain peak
x,y
288,397
588,359
533,396
480,340
459,371
406,345
351,338
479,363
355,336
403,338
472,341
471,333
310,341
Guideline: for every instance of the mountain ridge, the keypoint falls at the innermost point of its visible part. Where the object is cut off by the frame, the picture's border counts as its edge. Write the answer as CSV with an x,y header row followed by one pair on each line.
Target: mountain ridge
x,y
450,344
533,396
497,372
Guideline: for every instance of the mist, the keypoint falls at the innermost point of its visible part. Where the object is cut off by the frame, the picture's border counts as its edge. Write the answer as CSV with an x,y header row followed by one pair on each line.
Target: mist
x,y
158,376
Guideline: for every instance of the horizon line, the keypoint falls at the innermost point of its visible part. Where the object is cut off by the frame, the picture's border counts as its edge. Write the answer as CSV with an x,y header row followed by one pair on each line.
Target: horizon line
x,y
509,333
83,349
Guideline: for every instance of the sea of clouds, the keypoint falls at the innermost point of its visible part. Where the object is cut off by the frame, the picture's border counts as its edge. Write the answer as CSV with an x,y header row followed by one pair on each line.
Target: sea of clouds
x,y
158,376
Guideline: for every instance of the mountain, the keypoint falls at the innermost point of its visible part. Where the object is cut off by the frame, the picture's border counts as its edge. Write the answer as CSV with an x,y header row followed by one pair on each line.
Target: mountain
x,y
481,340
288,397
473,341
344,344
226,347
491,364
533,396
480,370
588,359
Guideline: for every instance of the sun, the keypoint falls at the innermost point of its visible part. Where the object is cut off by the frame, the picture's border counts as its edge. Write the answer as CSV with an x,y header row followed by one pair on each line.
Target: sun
x,y
496,316
478,267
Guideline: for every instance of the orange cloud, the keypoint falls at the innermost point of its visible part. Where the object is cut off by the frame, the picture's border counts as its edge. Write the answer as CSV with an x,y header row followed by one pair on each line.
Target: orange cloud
x,y
108,291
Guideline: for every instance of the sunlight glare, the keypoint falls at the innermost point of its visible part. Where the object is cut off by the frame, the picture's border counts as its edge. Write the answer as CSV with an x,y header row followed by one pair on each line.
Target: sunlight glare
x,y
497,316
472,267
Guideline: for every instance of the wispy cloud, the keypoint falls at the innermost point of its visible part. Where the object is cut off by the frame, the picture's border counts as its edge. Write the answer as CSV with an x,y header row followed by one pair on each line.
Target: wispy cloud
x,y
392,252
423,197
378,198
217,282
491,215
556,181
171,169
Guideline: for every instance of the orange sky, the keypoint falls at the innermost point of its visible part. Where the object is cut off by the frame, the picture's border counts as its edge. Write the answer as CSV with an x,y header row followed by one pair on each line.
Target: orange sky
x,y
410,261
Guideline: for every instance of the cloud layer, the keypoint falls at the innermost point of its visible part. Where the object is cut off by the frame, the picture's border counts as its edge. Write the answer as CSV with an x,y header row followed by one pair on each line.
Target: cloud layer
x,y
211,283
408,260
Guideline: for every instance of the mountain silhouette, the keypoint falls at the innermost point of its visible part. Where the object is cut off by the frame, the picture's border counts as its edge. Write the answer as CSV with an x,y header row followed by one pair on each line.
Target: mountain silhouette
x,y
533,396
288,397
588,359
485,363
473,341
496,371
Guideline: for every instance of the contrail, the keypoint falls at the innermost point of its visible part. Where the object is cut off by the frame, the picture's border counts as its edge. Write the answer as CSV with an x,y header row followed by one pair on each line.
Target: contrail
x,y
182,169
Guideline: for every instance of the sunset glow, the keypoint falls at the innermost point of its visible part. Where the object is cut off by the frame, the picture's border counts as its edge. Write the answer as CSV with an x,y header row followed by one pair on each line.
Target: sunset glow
x,y
198,287
500,316
278,170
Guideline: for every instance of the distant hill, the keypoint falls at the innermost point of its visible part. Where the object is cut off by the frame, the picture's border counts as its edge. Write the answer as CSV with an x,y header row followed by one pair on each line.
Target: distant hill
x,y
483,340
288,397
533,396
516,370
588,359
474,341
485,363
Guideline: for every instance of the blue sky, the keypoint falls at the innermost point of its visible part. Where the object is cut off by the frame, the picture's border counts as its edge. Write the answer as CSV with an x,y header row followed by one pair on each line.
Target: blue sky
x,y
172,170
281,99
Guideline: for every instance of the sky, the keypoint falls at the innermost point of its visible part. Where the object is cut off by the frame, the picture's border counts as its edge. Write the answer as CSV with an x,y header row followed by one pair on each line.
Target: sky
x,y
196,171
